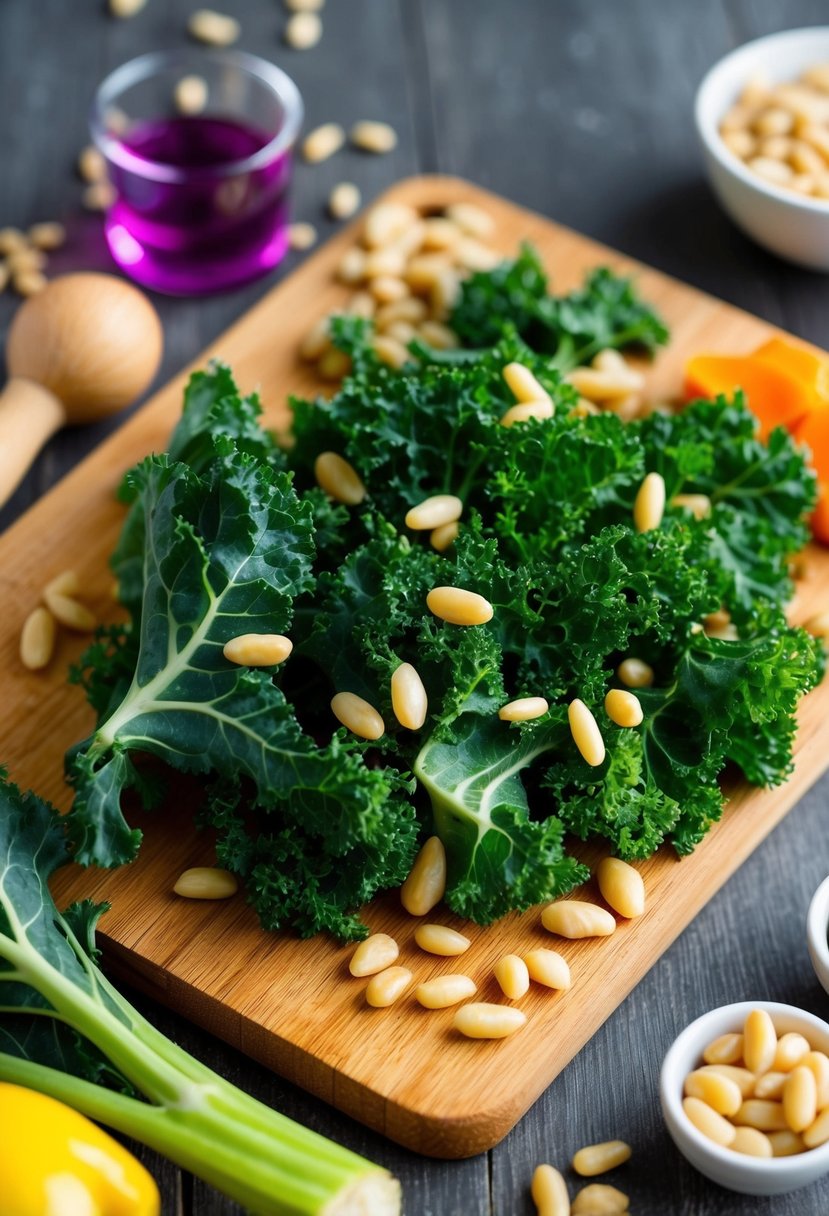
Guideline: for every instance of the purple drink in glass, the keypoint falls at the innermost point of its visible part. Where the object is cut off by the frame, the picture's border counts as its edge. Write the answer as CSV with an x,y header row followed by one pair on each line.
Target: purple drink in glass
x,y
201,201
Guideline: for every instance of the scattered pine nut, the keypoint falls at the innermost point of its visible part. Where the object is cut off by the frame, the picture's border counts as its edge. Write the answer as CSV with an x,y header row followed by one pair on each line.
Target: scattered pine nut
x,y
323,142
433,512
37,639
444,991
621,887
28,282
357,715
334,364
387,289
317,341
190,95
526,410
471,219
99,196
65,583
599,1199
69,612
258,649
48,235
402,332
344,201
523,384
575,919
586,734
547,967
440,939
481,1020
386,222
439,336
635,673
408,309
474,256
374,954
23,260
91,164
524,709
126,8
339,479
301,236
371,136
459,607
549,1192
623,707
444,536
206,882
362,304
386,261
408,697
598,1158
212,28
352,268
513,976
390,351
426,883
303,31
698,504
11,239
649,505
387,987
604,386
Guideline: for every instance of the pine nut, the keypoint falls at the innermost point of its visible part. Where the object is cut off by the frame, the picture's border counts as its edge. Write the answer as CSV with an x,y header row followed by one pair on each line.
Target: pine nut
x,y
719,1092
126,8
574,919
471,219
649,505
28,282
339,479
599,1158
303,30
37,639
386,289
317,341
635,673
817,137
548,968
357,715
390,351
523,412
791,1050
65,583
384,989
408,309
344,201
513,976
426,883
819,1065
623,707
12,239
800,1099
599,1199
481,1020
743,1079
707,1121
99,196
774,121
784,1144
741,143
374,954
444,294
472,255
440,233
323,142
408,697
549,1192
352,267
206,882
698,504
444,536
301,236
214,29
439,336
304,6
25,259
190,95
586,734
258,649
805,159
334,364
604,386
433,512
91,164
759,1042
774,171
524,709
440,939
70,613
610,360
459,607
818,1132
751,1142
116,121
410,239
621,887
362,304
523,384
387,261
444,991
803,183
424,271
386,222
770,1085
371,136
48,235
777,147
765,1115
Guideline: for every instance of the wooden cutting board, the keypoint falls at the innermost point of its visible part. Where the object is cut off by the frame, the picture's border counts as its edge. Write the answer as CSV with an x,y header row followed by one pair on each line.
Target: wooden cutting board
x,y
288,1003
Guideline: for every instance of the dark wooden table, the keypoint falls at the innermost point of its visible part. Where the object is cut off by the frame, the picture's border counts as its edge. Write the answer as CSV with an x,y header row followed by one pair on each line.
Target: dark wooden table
x,y
582,111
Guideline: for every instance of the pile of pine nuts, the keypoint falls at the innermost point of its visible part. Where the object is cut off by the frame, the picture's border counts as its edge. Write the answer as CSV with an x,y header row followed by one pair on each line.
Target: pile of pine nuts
x,y
60,607
758,1094
549,1188
609,385
781,132
23,256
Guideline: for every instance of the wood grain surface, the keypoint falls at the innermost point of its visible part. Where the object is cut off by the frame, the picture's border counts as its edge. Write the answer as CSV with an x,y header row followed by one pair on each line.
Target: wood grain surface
x,y
289,1003
582,111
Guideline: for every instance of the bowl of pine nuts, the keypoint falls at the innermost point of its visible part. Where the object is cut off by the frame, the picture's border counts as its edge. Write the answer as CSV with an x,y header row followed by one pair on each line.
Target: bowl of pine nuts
x,y
817,932
745,1095
762,116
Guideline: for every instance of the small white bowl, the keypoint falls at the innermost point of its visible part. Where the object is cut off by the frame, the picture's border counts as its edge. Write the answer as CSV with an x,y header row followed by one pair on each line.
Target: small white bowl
x,y
792,225
817,930
736,1171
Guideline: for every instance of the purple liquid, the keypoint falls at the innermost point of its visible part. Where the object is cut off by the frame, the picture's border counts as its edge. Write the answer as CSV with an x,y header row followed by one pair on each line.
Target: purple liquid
x,y
209,231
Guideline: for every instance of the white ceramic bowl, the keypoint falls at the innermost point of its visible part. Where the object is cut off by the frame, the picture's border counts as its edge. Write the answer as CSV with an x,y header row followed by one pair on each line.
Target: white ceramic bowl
x,y
817,929
792,225
737,1172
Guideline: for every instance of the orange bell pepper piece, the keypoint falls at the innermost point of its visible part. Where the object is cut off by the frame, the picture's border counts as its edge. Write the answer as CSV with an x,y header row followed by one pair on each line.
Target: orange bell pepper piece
x,y
809,367
774,395
813,431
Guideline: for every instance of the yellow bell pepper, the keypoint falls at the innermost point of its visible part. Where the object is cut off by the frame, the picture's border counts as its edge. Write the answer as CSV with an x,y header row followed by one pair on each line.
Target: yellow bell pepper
x,y
56,1162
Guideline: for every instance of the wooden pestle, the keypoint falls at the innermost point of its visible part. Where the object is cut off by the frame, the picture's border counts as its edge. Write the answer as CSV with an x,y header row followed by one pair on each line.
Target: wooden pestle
x,y
83,348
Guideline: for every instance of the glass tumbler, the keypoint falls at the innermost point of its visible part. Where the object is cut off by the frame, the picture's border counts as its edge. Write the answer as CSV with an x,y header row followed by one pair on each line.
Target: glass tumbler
x,y
201,177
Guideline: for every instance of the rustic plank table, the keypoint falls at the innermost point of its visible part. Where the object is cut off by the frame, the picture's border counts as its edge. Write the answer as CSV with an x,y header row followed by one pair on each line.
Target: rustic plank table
x,y
582,112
